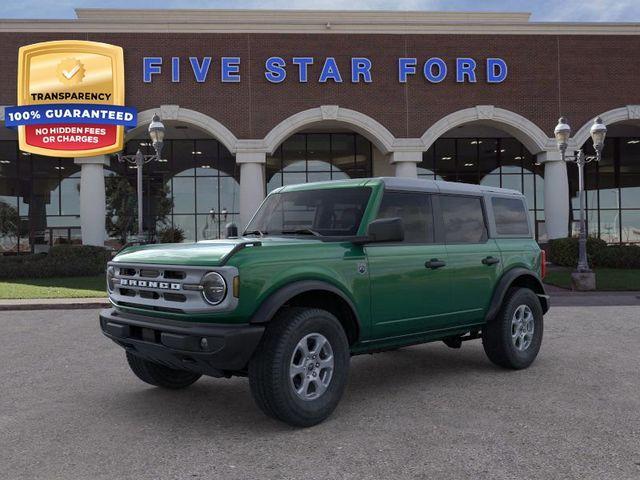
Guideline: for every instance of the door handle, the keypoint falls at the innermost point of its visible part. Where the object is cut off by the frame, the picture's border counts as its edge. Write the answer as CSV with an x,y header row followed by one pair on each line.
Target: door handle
x,y
434,263
490,260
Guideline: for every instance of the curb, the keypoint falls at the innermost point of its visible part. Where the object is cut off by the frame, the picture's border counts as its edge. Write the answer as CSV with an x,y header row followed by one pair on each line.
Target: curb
x,y
53,304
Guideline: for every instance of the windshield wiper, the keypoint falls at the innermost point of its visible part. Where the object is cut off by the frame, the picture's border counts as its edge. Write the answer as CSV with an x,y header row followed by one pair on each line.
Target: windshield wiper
x,y
301,231
254,232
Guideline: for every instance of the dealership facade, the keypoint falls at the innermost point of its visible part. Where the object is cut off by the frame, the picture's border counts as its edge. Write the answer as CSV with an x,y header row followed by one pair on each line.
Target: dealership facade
x,y
253,100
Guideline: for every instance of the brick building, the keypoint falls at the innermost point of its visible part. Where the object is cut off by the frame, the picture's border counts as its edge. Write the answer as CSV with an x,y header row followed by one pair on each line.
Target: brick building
x,y
256,99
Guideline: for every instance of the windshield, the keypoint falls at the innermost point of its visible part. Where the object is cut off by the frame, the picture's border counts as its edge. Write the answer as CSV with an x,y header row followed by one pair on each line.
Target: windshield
x,y
325,212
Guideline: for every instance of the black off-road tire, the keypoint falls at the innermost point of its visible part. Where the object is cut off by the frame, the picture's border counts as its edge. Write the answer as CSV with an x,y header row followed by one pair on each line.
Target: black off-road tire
x,y
269,374
497,334
159,375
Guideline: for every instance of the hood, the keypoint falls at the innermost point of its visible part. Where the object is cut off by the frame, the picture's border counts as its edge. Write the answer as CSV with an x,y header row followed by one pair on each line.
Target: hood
x,y
205,253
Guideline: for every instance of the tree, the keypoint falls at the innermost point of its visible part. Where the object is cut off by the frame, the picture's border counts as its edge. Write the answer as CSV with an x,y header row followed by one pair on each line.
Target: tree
x,y
9,221
122,207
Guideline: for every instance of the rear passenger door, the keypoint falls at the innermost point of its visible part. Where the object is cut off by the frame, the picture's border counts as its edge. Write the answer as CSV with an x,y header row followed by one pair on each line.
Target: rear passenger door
x,y
407,296
474,262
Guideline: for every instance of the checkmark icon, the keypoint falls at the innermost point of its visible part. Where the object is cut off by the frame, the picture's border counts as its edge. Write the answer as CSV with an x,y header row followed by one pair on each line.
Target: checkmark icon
x,y
71,73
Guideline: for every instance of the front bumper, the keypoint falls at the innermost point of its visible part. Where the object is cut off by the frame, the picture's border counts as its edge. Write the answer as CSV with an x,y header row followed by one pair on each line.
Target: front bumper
x,y
180,345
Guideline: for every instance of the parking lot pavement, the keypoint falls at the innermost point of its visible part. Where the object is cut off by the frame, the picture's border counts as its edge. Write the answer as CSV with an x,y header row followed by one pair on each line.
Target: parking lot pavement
x,y
70,409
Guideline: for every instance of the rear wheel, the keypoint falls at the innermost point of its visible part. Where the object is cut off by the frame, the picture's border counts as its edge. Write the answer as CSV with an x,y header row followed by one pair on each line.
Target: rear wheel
x,y
299,371
513,338
159,375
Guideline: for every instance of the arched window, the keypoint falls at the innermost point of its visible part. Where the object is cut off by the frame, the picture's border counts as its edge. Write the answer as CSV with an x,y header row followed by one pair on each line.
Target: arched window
x,y
194,188
314,157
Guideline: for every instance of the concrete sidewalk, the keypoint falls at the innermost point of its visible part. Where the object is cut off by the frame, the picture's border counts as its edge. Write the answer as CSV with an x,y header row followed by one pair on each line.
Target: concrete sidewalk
x,y
560,297
53,304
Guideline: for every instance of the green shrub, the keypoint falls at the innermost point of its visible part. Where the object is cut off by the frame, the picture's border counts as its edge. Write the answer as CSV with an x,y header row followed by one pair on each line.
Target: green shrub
x,y
618,256
61,261
171,235
564,252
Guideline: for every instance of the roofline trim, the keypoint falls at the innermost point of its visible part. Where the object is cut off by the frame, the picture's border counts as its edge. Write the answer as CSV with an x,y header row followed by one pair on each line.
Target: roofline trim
x,y
310,21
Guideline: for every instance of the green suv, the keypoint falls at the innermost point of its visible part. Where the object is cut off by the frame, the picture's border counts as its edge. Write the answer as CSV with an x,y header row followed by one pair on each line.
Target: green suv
x,y
329,270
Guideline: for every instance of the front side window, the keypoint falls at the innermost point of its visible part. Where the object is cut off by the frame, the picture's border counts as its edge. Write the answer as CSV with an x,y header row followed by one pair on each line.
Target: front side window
x,y
463,219
511,216
415,211
325,212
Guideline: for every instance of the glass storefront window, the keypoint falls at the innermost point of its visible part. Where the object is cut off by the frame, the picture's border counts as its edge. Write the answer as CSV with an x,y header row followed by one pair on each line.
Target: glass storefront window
x,y
445,158
426,166
187,223
206,195
629,149
315,157
488,152
612,190
630,224
70,196
512,181
609,225
319,152
630,191
41,194
191,188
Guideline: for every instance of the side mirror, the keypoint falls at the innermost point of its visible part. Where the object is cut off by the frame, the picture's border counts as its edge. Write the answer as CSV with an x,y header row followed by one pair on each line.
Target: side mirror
x,y
231,230
385,230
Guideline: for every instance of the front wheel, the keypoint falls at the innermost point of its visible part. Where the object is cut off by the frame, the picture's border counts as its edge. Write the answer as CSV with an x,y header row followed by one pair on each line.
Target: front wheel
x,y
159,375
299,371
512,339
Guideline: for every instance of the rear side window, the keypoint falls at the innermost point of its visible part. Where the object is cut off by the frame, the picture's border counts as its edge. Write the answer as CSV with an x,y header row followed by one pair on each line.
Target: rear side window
x,y
511,216
415,211
463,219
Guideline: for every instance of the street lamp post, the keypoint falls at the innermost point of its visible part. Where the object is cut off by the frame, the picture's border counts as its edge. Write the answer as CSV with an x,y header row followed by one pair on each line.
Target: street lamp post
x,y
598,132
156,133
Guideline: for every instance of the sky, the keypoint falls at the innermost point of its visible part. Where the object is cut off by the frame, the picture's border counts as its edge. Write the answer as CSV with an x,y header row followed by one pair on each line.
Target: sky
x,y
542,10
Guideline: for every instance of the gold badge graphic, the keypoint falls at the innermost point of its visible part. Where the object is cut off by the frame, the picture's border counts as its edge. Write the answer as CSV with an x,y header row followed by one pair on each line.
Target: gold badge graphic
x,y
70,71
70,98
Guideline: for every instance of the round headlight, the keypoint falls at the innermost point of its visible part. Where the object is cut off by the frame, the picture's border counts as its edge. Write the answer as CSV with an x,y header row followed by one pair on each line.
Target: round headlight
x,y
111,272
214,288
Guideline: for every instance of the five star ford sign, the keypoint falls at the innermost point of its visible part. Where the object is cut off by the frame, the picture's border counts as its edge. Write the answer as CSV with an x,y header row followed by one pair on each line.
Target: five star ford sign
x,y
70,99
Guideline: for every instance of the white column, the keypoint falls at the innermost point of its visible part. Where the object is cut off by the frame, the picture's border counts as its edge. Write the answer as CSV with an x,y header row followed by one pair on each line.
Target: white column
x,y
252,185
556,194
93,209
406,163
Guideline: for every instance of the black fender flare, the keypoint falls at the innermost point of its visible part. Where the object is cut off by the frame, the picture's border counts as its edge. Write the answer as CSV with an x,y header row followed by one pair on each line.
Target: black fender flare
x,y
277,299
505,282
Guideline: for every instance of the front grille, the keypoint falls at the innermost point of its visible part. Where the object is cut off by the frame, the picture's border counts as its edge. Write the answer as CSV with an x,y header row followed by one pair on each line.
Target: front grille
x,y
175,297
161,288
149,294
174,275
147,273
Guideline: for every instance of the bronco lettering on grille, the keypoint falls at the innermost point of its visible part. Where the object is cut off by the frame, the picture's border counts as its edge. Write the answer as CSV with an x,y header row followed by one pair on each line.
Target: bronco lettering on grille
x,y
128,282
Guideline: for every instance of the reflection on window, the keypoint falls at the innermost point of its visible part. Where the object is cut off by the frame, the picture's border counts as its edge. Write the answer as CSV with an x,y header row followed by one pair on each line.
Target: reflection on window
x,y
463,219
414,209
510,216
334,212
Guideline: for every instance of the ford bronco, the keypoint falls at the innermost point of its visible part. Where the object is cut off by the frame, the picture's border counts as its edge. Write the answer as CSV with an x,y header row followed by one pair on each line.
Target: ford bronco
x,y
329,270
